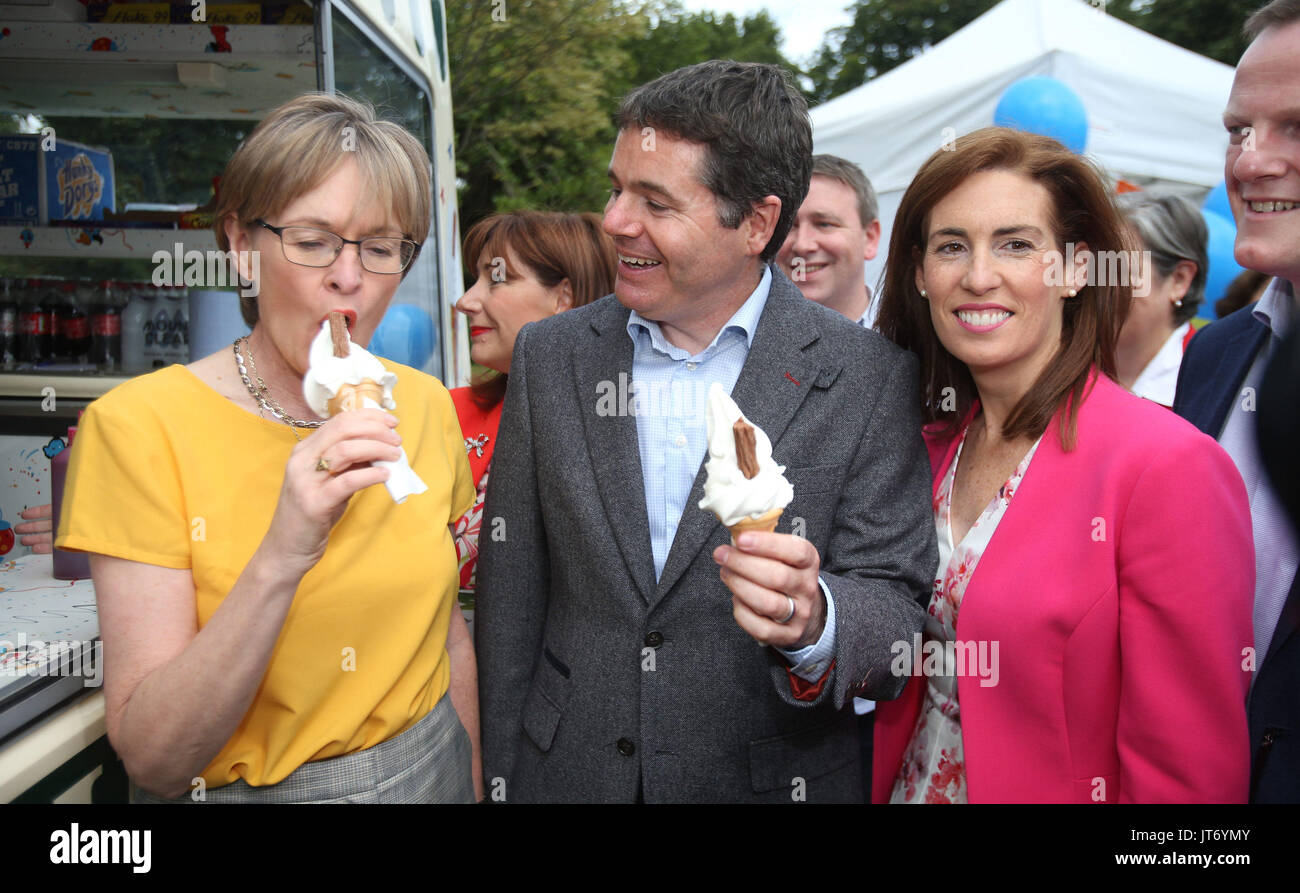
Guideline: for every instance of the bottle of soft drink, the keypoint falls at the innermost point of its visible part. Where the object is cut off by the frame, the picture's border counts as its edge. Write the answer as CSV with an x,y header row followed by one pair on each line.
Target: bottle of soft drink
x,y
8,324
157,333
177,349
56,302
34,337
106,329
73,324
67,565
137,324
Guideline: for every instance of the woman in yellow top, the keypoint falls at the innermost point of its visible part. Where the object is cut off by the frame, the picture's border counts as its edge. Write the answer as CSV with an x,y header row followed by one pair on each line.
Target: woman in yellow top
x,y
275,627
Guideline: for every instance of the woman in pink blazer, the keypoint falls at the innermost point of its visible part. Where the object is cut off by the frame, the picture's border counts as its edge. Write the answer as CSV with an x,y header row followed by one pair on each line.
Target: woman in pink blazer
x,y
1076,649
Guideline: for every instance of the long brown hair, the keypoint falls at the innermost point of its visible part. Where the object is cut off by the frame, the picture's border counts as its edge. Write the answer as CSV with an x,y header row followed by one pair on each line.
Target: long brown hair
x,y
1082,211
554,247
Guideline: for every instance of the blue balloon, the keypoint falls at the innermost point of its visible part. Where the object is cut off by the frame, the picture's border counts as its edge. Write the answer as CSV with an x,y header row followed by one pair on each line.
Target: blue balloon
x,y
1223,266
1044,105
405,335
1217,201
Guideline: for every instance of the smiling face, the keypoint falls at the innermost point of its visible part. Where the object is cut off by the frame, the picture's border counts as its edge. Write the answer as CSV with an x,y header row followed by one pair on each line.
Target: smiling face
x,y
678,265
828,236
506,296
1262,168
985,270
293,299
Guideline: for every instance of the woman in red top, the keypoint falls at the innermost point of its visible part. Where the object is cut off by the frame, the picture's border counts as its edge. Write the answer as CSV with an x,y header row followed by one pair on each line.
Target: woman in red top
x,y
528,265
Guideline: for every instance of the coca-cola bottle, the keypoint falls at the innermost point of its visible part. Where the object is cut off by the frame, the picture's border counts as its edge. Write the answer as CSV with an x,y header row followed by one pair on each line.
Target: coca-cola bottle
x,y
34,337
106,329
73,325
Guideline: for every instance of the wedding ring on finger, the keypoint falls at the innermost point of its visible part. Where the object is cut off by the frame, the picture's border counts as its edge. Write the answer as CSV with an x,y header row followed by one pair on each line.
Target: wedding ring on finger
x,y
786,618
323,464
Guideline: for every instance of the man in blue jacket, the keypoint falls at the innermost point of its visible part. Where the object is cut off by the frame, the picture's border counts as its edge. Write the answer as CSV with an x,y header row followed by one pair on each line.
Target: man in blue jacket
x,y
1224,367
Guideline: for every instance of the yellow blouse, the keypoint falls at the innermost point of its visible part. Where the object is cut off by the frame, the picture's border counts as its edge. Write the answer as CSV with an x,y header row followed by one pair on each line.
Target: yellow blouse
x,y
166,471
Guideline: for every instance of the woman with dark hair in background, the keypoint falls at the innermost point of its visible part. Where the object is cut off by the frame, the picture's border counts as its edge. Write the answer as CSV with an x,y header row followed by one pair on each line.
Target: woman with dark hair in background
x,y
528,265
1100,659
1150,350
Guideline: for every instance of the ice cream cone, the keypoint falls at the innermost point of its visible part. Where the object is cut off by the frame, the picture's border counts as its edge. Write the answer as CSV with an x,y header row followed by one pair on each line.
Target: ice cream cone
x,y
353,396
765,523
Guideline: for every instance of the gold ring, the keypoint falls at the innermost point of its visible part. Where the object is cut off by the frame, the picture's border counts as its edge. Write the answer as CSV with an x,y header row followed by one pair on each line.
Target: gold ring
x,y
323,464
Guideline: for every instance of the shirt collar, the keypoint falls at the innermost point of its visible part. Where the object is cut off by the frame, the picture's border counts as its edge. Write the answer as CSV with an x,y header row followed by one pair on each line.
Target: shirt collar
x,y
865,320
1275,306
744,320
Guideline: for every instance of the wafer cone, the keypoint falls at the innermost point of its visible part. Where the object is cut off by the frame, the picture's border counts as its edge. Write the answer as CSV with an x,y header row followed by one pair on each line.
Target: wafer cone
x,y
765,523
353,396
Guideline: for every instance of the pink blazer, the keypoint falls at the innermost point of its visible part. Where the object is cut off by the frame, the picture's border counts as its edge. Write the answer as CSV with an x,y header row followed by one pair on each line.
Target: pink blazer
x,y
1123,641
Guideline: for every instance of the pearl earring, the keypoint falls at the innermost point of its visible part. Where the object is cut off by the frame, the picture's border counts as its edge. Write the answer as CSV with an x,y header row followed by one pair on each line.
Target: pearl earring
x,y
1178,303
1072,293
923,294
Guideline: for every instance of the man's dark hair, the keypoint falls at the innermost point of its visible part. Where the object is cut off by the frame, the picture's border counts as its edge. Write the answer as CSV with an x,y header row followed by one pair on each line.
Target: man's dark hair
x,y
1279,12
754,126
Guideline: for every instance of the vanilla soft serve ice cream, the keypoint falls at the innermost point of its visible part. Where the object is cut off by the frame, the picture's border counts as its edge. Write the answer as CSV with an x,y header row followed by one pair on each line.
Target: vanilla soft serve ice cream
x,y
727,492
327,373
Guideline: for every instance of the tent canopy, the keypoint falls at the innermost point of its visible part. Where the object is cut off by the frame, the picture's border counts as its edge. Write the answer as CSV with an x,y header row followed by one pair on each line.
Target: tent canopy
x,y
1154,109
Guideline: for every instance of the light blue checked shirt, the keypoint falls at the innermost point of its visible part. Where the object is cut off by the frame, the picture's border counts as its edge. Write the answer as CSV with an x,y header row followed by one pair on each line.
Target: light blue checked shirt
x,y
668,397
1277,553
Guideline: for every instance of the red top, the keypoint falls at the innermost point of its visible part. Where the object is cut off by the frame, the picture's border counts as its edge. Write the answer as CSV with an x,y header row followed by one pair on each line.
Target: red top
x,y
479,428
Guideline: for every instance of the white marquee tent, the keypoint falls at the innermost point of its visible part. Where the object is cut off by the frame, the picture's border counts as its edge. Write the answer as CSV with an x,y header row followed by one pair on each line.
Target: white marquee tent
x,y
1154,109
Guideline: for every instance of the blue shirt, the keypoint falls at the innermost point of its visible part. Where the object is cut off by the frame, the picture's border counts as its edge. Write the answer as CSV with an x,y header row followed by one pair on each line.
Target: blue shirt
x,y
668,396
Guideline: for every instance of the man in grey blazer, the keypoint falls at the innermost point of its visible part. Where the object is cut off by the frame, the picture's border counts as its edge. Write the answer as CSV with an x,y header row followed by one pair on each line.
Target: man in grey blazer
x,y
627,651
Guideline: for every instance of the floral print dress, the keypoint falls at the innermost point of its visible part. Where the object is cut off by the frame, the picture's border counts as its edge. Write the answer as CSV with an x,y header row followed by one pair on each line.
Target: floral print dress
x,y
934,765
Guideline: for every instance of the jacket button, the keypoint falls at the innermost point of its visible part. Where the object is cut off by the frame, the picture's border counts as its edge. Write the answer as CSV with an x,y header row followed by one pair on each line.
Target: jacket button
x,y
625,747
654,639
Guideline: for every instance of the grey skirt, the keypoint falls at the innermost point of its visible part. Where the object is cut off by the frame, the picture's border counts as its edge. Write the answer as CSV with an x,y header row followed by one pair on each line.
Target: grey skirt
x,y
428,763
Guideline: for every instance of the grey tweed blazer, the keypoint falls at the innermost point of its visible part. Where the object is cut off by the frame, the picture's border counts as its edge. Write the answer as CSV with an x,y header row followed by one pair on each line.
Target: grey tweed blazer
x,y
600,684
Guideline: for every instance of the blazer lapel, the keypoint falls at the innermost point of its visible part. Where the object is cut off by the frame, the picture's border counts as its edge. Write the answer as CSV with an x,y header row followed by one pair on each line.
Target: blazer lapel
x,y
1287,624
777,376
1234,364
603,376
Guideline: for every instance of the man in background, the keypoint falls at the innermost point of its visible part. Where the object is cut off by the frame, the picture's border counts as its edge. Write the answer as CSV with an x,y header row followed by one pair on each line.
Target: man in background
x,y
835,230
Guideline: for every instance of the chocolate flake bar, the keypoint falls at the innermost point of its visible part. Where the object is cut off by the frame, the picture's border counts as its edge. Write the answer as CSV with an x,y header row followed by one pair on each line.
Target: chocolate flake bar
x,y
339,334
745,448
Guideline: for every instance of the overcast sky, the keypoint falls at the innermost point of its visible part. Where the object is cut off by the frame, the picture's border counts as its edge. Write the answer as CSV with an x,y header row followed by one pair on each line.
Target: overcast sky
x,y
802,22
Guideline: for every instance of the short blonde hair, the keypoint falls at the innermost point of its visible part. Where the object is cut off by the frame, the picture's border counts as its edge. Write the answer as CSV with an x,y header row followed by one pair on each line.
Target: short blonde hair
x,y
298,145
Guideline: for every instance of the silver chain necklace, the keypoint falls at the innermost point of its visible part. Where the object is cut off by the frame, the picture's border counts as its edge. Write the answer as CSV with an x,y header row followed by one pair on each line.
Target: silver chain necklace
x,y
262,394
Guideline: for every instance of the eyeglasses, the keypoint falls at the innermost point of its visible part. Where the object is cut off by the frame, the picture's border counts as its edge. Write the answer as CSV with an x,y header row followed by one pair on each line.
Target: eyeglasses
x,y
310,247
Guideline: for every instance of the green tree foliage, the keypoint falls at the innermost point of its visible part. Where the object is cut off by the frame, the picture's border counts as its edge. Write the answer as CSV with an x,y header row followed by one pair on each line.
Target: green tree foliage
x,y
670,37
536,86
531,100
884,34
1209,27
